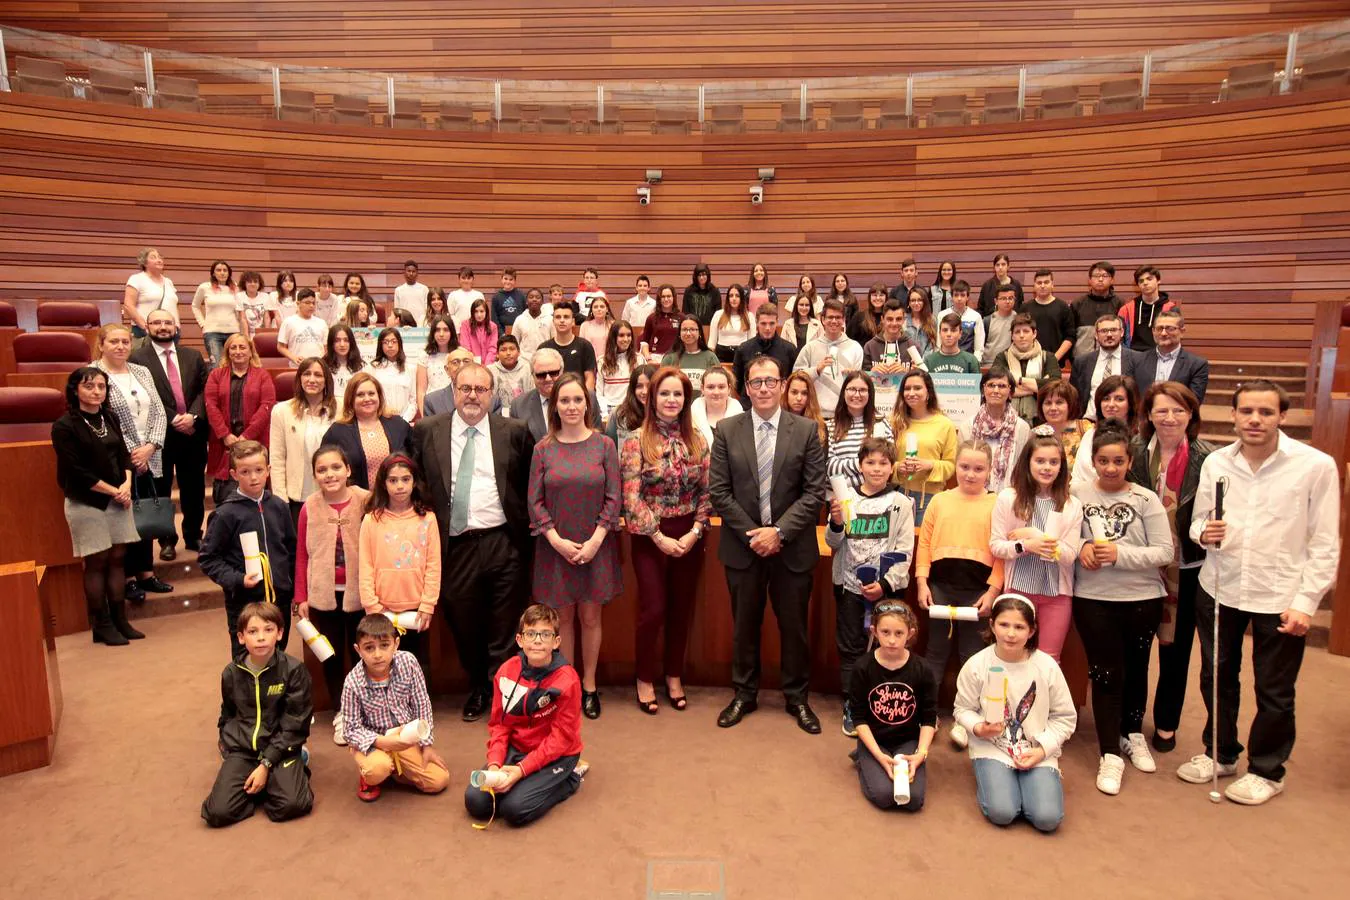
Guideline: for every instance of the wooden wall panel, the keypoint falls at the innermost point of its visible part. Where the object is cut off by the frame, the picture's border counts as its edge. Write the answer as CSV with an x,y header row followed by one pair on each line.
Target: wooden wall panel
x,y
1242,205
623,39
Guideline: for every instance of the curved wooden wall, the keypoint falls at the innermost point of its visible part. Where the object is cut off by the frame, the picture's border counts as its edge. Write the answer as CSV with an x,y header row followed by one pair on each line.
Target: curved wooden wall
x,y
1243,205
623,39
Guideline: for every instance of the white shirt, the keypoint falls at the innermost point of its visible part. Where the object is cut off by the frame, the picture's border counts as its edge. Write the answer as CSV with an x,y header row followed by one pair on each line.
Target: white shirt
x,y
284,307
437,377
531,331
1283,520
583,300
1098,373
329,310
151,296
485,503
304,337
137,401
400,388
636,310
460,303
413,298
729,332
698,413
1166,361
254,309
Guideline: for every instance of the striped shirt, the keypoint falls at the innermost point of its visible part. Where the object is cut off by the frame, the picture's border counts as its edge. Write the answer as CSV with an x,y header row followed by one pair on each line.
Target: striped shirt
x,y
371,708
843,453
1031,574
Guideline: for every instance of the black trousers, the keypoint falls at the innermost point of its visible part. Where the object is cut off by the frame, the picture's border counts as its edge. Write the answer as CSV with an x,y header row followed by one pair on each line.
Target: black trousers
x,y
286,796
340,629
878,788
484,589
790,594
1276,660
184,457
531,796
1118,638
967,636
235,601
850,638
1174,659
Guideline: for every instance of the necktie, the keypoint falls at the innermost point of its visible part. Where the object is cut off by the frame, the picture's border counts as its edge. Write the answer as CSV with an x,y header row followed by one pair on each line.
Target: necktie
x,y
175,382
764,456
1110,365
459,504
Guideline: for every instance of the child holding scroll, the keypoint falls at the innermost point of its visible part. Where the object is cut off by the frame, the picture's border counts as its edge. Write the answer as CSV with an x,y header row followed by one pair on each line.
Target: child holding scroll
x,y
1015,703
955,567
1036,525
400,555
250,515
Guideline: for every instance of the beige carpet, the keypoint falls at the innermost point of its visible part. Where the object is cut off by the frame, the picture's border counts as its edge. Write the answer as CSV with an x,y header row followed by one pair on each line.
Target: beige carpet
x,y
776,811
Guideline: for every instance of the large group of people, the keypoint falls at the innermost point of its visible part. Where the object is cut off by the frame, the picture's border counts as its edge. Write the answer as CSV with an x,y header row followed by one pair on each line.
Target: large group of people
x,y
378,501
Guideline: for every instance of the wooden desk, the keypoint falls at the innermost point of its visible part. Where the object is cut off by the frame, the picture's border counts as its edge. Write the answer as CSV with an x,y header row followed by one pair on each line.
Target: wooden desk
x,y
36,529
30,682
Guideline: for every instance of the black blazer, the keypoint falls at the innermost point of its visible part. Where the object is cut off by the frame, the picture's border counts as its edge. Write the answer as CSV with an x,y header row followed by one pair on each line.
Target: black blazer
x,y
1081,376
83,459
798,489
346,436
193,370
1190,483
512,453
1189,369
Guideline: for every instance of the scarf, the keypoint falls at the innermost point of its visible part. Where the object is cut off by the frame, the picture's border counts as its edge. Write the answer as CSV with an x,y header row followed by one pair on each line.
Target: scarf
x,y
988,429
1025,406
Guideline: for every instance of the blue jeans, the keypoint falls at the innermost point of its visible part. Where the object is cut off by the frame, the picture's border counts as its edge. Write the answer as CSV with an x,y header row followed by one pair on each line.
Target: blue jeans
x,y
1004,793
215,344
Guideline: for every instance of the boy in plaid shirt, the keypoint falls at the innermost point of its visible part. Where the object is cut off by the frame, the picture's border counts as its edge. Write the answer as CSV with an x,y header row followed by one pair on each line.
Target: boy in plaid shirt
x,y
381,695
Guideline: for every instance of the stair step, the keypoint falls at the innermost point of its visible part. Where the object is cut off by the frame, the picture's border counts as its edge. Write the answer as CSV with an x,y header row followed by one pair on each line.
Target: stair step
x,y
188,595
1252,368
184,568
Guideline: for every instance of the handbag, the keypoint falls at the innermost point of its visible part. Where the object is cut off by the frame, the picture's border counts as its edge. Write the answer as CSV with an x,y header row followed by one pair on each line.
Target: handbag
x,y
153,514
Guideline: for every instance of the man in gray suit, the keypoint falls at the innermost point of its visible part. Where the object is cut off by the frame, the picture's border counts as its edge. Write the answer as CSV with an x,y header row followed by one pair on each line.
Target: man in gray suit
x,y
767,482
531,407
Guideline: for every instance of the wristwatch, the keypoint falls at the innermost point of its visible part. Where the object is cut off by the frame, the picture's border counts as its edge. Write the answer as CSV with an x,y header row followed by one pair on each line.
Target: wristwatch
x,y
1017,545
266,762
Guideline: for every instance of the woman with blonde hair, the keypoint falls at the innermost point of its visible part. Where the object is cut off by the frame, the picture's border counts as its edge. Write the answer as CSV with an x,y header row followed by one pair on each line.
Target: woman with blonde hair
x,y
239,398
364,432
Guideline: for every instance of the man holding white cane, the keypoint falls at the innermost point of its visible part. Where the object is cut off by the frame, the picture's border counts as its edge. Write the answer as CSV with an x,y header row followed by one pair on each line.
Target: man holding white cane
x,y
1270,559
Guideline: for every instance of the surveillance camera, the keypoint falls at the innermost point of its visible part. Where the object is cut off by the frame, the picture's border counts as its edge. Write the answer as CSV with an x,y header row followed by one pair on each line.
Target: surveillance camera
x,y
653,176
756,193
766,174
644,195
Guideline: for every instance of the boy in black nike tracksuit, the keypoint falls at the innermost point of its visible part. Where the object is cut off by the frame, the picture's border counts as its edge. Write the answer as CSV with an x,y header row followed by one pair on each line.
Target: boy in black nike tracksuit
x,y
265,708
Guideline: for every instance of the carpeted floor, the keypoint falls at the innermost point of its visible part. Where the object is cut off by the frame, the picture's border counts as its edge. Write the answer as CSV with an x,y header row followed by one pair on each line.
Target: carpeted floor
x,y
777,811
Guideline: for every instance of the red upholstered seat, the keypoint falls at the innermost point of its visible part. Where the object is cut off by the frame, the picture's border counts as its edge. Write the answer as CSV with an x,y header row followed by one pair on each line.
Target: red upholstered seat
x,y
9,316
67,314
50,351
27,413
285,383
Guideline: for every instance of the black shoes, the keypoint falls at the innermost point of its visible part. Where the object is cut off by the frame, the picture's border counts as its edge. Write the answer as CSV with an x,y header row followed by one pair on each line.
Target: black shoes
x,y
168,553
590,704
737,709
103,631
806,719
117,613
193,544
476,706
153,585
680,702
134,592
1164,745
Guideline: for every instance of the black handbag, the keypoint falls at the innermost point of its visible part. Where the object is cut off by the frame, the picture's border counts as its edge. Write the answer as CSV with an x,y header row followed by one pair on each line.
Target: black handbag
x,y
153,514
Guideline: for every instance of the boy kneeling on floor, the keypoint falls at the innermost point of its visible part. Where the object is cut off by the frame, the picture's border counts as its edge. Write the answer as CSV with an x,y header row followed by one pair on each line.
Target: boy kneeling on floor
x,y
381,696
265,708
534,734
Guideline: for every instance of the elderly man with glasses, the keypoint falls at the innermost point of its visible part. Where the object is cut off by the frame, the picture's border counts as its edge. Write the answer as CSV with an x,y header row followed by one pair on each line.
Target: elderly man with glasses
x,y
1169,361
477,470
531,407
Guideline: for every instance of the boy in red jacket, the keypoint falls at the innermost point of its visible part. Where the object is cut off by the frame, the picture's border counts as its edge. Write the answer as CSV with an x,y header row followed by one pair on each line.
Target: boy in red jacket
x,y
534,734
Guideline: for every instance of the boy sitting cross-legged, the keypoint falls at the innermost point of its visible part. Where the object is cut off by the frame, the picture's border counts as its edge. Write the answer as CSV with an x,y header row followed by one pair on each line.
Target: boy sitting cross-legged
x,y
265,708
380,696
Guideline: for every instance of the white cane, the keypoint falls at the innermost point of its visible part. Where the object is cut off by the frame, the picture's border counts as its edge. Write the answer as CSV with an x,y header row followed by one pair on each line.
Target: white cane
x,y
1220,486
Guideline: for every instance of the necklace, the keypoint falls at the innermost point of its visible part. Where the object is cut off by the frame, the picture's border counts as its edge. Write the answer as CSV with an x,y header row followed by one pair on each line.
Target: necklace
x,y
101,429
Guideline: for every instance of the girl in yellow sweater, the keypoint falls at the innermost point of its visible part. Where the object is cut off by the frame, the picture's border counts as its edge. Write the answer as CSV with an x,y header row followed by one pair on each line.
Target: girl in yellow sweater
x,y
400,556
955,566
927,440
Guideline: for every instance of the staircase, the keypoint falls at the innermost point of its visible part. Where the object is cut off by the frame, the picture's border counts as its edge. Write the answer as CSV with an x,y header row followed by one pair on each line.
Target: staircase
x,y
191,589
1216,416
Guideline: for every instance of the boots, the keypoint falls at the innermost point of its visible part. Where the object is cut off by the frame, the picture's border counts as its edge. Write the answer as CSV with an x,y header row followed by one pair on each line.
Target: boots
x,y
117,610
104,631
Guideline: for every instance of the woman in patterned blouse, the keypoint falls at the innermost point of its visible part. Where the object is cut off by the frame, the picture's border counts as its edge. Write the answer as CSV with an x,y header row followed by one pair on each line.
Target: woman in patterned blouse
x,y
666,508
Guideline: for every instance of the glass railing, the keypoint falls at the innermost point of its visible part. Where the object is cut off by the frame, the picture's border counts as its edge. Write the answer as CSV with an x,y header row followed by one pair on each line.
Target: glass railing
x,y
1313,58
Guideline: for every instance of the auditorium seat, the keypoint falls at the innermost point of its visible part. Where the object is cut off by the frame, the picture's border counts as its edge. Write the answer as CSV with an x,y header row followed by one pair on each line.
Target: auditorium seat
x,y
790,117
636,121
9,316
351,109
510,118
949,110
454,117
27,413
408,113
265,342
1331,71
1059,103
555,119
1252,80
1120,96
285,384
107,86
724,118
999,107
297,106
54,314
178,93
893,114
672,121
41,76
847,115
50,351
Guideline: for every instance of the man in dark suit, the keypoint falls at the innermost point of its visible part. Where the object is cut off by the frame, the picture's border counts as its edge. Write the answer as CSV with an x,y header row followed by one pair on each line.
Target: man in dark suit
x,y
1111,357
180,379
531,407
767,482
442,400
1168,361
477,471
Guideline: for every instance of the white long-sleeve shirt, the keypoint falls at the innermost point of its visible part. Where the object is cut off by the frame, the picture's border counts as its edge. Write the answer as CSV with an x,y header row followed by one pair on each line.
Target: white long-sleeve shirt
x,y
847,355
1038,707
1283,540
1068,535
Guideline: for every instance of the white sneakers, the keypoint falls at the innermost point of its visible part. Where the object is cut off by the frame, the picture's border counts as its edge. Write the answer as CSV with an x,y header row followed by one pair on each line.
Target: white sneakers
x,y
338,737
1253,790
959,736
1109,772
1134,748
1200,769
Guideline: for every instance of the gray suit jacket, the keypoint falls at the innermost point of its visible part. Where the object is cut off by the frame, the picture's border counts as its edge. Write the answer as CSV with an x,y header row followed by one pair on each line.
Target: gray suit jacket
x,y
798,489
529,410
1189,369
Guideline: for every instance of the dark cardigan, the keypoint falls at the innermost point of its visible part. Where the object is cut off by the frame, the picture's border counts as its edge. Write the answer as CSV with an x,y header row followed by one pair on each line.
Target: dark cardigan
x,y
345,435
1190,551
83,459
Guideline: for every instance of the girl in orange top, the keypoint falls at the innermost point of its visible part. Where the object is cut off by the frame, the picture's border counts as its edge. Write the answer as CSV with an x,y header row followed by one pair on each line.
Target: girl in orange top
x,y
400,555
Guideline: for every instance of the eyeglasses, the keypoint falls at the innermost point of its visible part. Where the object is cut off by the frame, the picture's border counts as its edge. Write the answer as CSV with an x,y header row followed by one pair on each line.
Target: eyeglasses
x,y
758,383
470,390
1167,329
855,390
550,374
539,635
